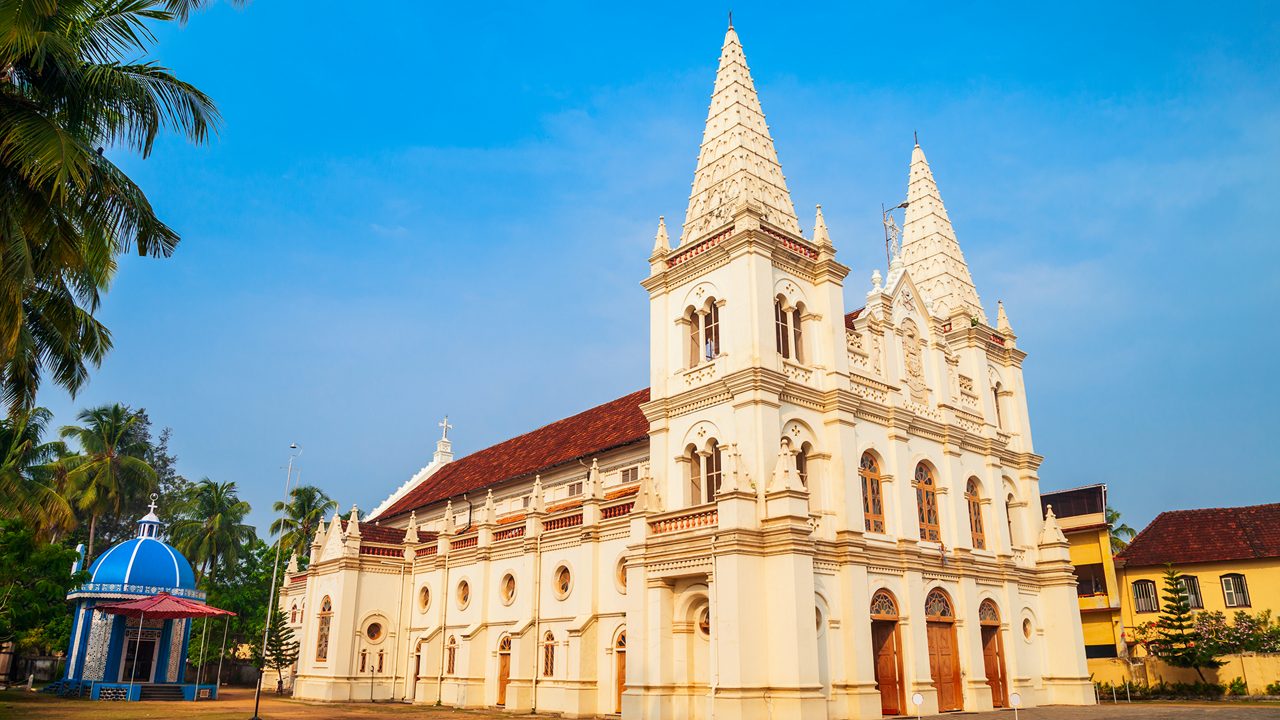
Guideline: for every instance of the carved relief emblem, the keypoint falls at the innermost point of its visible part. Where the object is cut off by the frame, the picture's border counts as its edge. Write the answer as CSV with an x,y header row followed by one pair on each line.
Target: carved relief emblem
x,y
913,358
907,301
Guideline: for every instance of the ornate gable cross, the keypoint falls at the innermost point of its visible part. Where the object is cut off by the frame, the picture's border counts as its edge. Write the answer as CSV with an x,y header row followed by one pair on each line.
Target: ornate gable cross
x,y
445,428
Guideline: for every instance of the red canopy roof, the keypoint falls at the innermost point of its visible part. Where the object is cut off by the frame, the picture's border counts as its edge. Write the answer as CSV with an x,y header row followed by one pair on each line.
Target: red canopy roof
x,y
162,607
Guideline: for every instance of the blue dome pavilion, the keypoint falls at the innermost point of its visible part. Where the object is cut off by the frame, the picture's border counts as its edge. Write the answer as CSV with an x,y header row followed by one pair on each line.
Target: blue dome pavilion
x,y
144,565
121,657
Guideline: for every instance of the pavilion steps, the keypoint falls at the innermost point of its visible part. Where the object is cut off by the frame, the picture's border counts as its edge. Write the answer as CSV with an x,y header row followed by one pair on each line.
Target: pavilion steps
x,y
161,692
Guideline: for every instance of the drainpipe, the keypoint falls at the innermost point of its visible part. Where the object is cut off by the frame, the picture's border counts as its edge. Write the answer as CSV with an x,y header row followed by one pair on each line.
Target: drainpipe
x,y
537,618
444,619
715,636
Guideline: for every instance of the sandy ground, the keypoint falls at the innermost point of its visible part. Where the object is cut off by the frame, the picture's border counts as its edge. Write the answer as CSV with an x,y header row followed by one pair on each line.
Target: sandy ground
x,y
237,704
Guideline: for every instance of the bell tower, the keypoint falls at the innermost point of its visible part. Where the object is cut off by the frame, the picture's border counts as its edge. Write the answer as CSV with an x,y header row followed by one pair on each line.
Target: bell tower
x,y
748,354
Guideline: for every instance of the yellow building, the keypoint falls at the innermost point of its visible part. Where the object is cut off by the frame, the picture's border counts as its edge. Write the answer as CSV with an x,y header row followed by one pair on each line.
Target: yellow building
x,y
1229,557
1081,514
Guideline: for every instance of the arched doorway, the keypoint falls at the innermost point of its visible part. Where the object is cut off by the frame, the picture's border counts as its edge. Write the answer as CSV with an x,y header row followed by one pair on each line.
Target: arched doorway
x,y
993,653
886,648
944,662
620,676
504,668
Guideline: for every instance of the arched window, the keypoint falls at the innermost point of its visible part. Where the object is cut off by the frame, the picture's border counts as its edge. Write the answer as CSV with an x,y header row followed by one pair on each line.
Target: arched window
x,y
884,606
364,659
937,606
293,614
695,474
711,331
322,634
705,472
451,655
995,400
713,473
988,613
1008,518
548,655
927,504
380,656
783,332
1234,590
802,463
788,334
695,334
974,501
797,345
504,645
1144,596
872,497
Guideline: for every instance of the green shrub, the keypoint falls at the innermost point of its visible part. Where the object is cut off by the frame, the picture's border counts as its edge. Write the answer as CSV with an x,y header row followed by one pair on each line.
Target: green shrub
x,y
1237,687
1274,688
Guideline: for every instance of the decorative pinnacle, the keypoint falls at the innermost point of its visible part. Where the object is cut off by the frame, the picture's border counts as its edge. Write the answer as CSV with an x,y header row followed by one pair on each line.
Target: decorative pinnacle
x,y
821,237
661,242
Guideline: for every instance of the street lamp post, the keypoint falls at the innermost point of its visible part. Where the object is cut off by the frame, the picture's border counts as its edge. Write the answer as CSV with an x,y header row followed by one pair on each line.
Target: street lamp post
x,y
275,569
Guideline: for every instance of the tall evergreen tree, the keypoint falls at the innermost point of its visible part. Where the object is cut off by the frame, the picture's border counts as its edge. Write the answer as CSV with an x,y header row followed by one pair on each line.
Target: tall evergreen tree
x,y
281,650
1177,642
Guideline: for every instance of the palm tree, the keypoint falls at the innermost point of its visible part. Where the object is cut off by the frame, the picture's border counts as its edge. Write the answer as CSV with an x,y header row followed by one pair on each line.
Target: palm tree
x,y
27,480
301,516
1121,534
74,79
210,528
109,467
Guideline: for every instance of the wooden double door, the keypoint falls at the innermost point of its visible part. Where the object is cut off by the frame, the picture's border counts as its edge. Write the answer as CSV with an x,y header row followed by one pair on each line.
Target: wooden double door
x,y
944,665
886,647
993,663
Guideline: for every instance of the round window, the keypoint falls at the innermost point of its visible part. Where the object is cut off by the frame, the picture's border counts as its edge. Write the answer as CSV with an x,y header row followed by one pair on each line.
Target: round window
x,y
704,622
508,589
424,598
374,631
620,574
464,594
1026,628
563,582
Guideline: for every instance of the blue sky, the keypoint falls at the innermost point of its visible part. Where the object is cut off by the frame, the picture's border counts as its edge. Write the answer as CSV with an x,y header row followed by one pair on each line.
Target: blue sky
x,y
429,209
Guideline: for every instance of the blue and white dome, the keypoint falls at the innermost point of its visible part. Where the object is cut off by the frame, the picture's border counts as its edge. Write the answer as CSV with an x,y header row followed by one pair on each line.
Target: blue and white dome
x,y
142,566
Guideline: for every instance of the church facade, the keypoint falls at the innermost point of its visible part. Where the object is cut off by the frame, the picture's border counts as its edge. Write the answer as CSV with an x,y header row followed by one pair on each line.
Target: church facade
x,y
811,512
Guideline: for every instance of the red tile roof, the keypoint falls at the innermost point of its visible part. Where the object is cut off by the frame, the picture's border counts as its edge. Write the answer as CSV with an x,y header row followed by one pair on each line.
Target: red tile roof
x,y
1207,535
848,319
602,428
378,534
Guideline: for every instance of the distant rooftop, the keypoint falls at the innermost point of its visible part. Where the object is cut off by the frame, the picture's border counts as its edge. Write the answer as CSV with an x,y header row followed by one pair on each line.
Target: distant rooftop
x,y
1086,500
1207,535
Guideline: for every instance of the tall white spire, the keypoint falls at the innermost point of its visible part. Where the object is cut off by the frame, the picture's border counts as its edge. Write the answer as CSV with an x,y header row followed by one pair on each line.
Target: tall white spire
x,y
930,250
737,163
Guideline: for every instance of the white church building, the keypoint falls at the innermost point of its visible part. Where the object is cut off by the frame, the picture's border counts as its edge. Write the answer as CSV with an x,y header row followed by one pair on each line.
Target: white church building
x,y
813,511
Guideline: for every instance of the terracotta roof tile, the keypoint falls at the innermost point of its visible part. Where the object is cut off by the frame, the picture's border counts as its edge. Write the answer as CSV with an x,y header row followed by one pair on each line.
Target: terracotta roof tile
x,y
389,535
1207,535
848,319
602,428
